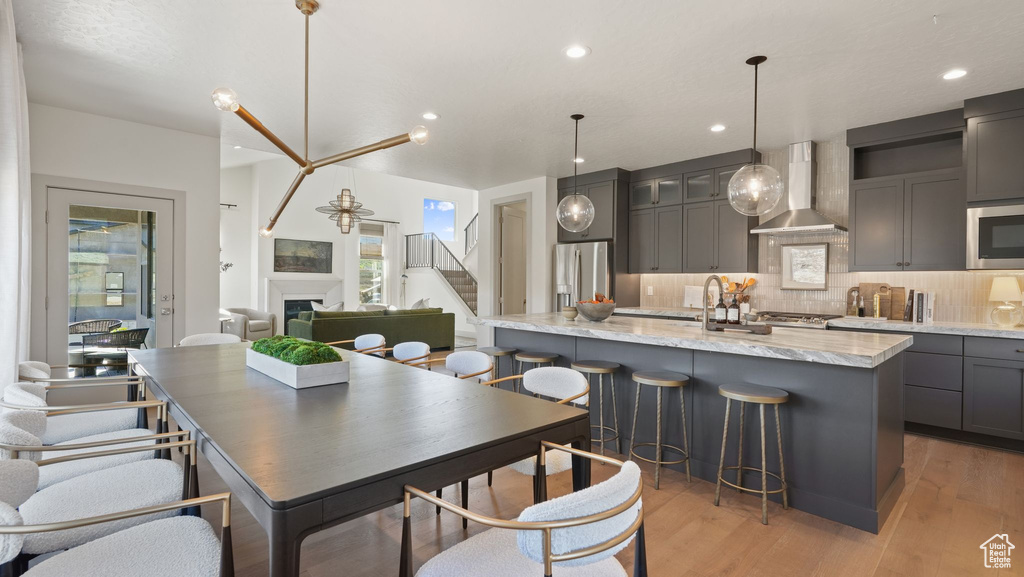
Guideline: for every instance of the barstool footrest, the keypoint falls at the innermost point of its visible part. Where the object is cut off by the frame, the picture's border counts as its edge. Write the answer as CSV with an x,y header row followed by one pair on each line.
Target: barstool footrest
x,y
632,453
757,491
614,437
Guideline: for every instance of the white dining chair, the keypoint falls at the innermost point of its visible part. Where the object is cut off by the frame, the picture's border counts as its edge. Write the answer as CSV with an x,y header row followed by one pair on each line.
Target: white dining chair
x,y
579,533
464,364
369,344
410,352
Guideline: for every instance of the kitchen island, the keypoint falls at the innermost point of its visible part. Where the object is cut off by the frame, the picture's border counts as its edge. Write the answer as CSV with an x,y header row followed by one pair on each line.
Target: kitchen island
x,y
842,428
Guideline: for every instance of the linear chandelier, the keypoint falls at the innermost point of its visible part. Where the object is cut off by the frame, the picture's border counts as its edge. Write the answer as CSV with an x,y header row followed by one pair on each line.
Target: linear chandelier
x,y
227,100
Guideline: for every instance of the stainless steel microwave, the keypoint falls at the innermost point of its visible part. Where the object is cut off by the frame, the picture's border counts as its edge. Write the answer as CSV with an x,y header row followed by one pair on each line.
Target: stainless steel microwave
x,y
995,237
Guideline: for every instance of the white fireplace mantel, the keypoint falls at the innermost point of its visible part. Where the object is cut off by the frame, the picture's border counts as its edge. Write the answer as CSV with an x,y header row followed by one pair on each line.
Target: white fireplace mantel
x,y
278,291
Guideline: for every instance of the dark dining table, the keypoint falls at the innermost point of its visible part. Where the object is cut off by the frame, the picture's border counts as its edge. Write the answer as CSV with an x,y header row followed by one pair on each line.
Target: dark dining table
x,y
304,460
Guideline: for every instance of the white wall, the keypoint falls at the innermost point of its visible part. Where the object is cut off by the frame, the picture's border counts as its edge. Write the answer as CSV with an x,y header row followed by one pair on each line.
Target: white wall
x,y
76,145
235,222
390,197
540,195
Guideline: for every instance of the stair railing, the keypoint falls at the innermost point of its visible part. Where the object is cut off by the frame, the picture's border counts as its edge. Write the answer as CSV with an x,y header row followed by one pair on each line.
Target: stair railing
x,y
425,250
472,233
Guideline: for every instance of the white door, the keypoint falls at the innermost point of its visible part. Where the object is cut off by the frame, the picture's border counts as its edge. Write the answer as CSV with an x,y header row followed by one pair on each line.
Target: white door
x,y
109,258
513,261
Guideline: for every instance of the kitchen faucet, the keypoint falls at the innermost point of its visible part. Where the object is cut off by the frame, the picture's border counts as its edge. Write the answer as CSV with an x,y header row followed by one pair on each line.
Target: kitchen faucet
x,y
706,325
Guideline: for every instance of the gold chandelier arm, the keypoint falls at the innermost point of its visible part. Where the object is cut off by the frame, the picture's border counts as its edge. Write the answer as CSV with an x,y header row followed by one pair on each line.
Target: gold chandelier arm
x,y
258,126
387,143
287,198
305,109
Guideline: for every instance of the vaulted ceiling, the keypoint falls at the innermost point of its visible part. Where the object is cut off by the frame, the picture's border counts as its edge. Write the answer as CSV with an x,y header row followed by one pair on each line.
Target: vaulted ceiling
x,y
660,73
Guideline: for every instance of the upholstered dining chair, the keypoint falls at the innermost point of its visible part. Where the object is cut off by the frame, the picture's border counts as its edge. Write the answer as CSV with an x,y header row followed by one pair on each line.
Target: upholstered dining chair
x,y
20,431
410,352
370,344
578,533
140,484
40,372
169,547
250,324
465,364
209,339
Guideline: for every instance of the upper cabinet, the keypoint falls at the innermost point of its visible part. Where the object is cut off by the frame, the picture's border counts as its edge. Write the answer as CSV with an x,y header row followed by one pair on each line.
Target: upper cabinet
x,y
655,192
908,207
995,146
717,238
656,240
699,186
602,194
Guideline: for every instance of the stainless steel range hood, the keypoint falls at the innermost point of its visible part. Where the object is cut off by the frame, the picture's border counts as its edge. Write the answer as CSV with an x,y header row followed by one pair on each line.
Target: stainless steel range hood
x,y
801,216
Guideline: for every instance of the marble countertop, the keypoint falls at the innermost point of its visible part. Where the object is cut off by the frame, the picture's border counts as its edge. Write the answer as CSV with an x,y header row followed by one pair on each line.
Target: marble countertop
x,y
667,312
848,349
961,329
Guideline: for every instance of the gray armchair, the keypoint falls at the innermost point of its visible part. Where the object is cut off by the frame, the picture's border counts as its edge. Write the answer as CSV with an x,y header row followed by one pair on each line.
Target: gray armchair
x,y
251,324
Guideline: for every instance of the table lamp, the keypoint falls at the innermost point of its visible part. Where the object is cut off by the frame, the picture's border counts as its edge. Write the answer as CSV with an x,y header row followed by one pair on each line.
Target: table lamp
x,y
1006,291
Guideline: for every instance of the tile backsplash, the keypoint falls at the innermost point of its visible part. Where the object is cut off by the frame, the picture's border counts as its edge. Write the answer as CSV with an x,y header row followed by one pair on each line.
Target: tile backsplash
x,y
960,296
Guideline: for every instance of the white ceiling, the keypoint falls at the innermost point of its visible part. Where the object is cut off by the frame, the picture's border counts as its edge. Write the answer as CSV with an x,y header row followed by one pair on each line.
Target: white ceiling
x,y
661,72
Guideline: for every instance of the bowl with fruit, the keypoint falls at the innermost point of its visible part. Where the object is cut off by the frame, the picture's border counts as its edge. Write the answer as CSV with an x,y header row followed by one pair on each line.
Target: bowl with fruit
x,y
597,309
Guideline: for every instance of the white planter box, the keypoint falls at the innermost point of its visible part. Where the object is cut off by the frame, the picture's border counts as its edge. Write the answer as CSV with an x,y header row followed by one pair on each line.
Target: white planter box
x,y
295,376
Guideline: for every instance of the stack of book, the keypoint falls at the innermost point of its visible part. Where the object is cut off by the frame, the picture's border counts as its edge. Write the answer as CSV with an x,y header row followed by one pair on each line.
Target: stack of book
x,y
920,307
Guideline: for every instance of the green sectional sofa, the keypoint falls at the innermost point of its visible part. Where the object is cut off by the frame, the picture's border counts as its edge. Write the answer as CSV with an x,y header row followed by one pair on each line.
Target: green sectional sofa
x,y
432,326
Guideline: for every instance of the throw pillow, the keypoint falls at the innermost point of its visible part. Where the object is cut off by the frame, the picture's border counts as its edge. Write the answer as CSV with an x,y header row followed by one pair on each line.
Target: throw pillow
x,y
327,309
420,304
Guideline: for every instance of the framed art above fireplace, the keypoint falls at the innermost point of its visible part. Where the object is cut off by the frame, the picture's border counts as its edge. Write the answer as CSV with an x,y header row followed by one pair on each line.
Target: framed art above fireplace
x,y
309,256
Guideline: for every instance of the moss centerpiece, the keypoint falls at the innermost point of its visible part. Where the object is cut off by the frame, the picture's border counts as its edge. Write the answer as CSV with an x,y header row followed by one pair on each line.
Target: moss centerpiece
x,y
297,363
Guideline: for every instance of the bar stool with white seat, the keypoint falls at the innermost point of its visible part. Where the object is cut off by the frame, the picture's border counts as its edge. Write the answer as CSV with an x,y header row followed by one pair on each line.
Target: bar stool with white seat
x,y
602,368
761,396
661,380
497,353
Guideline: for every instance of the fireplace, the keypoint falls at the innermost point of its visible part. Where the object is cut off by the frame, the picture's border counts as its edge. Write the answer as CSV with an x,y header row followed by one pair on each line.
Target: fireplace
x,y
275,293
292,308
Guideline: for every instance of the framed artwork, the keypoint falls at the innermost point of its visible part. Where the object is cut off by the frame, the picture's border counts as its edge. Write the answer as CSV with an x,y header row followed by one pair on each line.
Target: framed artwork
x,y
805,266
303,256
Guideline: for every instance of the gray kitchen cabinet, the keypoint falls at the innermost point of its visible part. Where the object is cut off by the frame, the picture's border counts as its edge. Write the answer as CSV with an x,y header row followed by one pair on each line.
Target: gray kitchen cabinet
x,y
934,222
935,407
716,238
669,190
722,178
698,237
995,156
699,186
656,192
656,240
876,225
641,241
993,398
642,195
602,194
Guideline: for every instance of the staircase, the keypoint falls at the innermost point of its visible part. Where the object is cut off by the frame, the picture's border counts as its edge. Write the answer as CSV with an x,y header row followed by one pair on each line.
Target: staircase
x,y
427,251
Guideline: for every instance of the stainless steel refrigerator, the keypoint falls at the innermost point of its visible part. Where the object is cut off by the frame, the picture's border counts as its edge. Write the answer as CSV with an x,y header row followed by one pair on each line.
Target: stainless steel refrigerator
x,y
581,269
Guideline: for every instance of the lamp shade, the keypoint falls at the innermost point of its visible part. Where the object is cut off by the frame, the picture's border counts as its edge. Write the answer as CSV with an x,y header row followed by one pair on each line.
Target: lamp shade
x,y
1005,289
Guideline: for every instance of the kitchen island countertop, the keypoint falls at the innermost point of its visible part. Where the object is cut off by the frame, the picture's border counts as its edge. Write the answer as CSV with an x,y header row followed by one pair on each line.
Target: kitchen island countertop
x,y
862,350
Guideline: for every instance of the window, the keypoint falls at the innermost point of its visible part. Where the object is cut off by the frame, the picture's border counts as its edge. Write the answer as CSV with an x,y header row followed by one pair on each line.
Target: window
x,y
371,264
439,218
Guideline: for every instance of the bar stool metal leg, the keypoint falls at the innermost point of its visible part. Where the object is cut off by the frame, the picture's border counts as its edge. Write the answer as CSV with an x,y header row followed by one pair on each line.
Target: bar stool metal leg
x,y
600,407
636,415
657,446
739,459
686,441
764,474
782,463
721,460
615,418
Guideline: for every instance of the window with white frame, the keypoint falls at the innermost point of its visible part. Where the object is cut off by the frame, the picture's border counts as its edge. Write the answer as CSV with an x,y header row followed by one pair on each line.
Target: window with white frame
x,y
439,218
372,275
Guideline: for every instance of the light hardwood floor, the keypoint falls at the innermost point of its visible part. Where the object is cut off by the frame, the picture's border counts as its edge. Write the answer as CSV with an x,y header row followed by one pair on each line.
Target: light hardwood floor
x,y
957,496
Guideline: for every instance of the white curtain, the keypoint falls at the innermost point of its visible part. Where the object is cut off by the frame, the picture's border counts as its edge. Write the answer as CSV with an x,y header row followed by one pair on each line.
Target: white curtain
x,y
15,203
392,263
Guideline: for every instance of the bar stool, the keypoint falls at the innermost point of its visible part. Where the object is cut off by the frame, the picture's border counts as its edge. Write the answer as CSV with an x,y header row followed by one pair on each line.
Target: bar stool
x,y
746,393
661,380
497,353
534,358
602,368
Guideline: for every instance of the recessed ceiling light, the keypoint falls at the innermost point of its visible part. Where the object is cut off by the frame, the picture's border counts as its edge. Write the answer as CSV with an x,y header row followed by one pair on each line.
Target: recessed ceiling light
x,y
430,116
954,74
236,147
717,128
577,51
577,160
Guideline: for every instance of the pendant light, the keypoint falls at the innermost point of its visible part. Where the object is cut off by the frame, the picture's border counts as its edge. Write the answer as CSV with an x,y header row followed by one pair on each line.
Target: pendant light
x,y
756,188
575,211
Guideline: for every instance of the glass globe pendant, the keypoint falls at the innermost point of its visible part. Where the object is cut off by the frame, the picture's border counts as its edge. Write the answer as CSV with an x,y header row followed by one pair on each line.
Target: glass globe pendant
x,y
756,188
575,212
